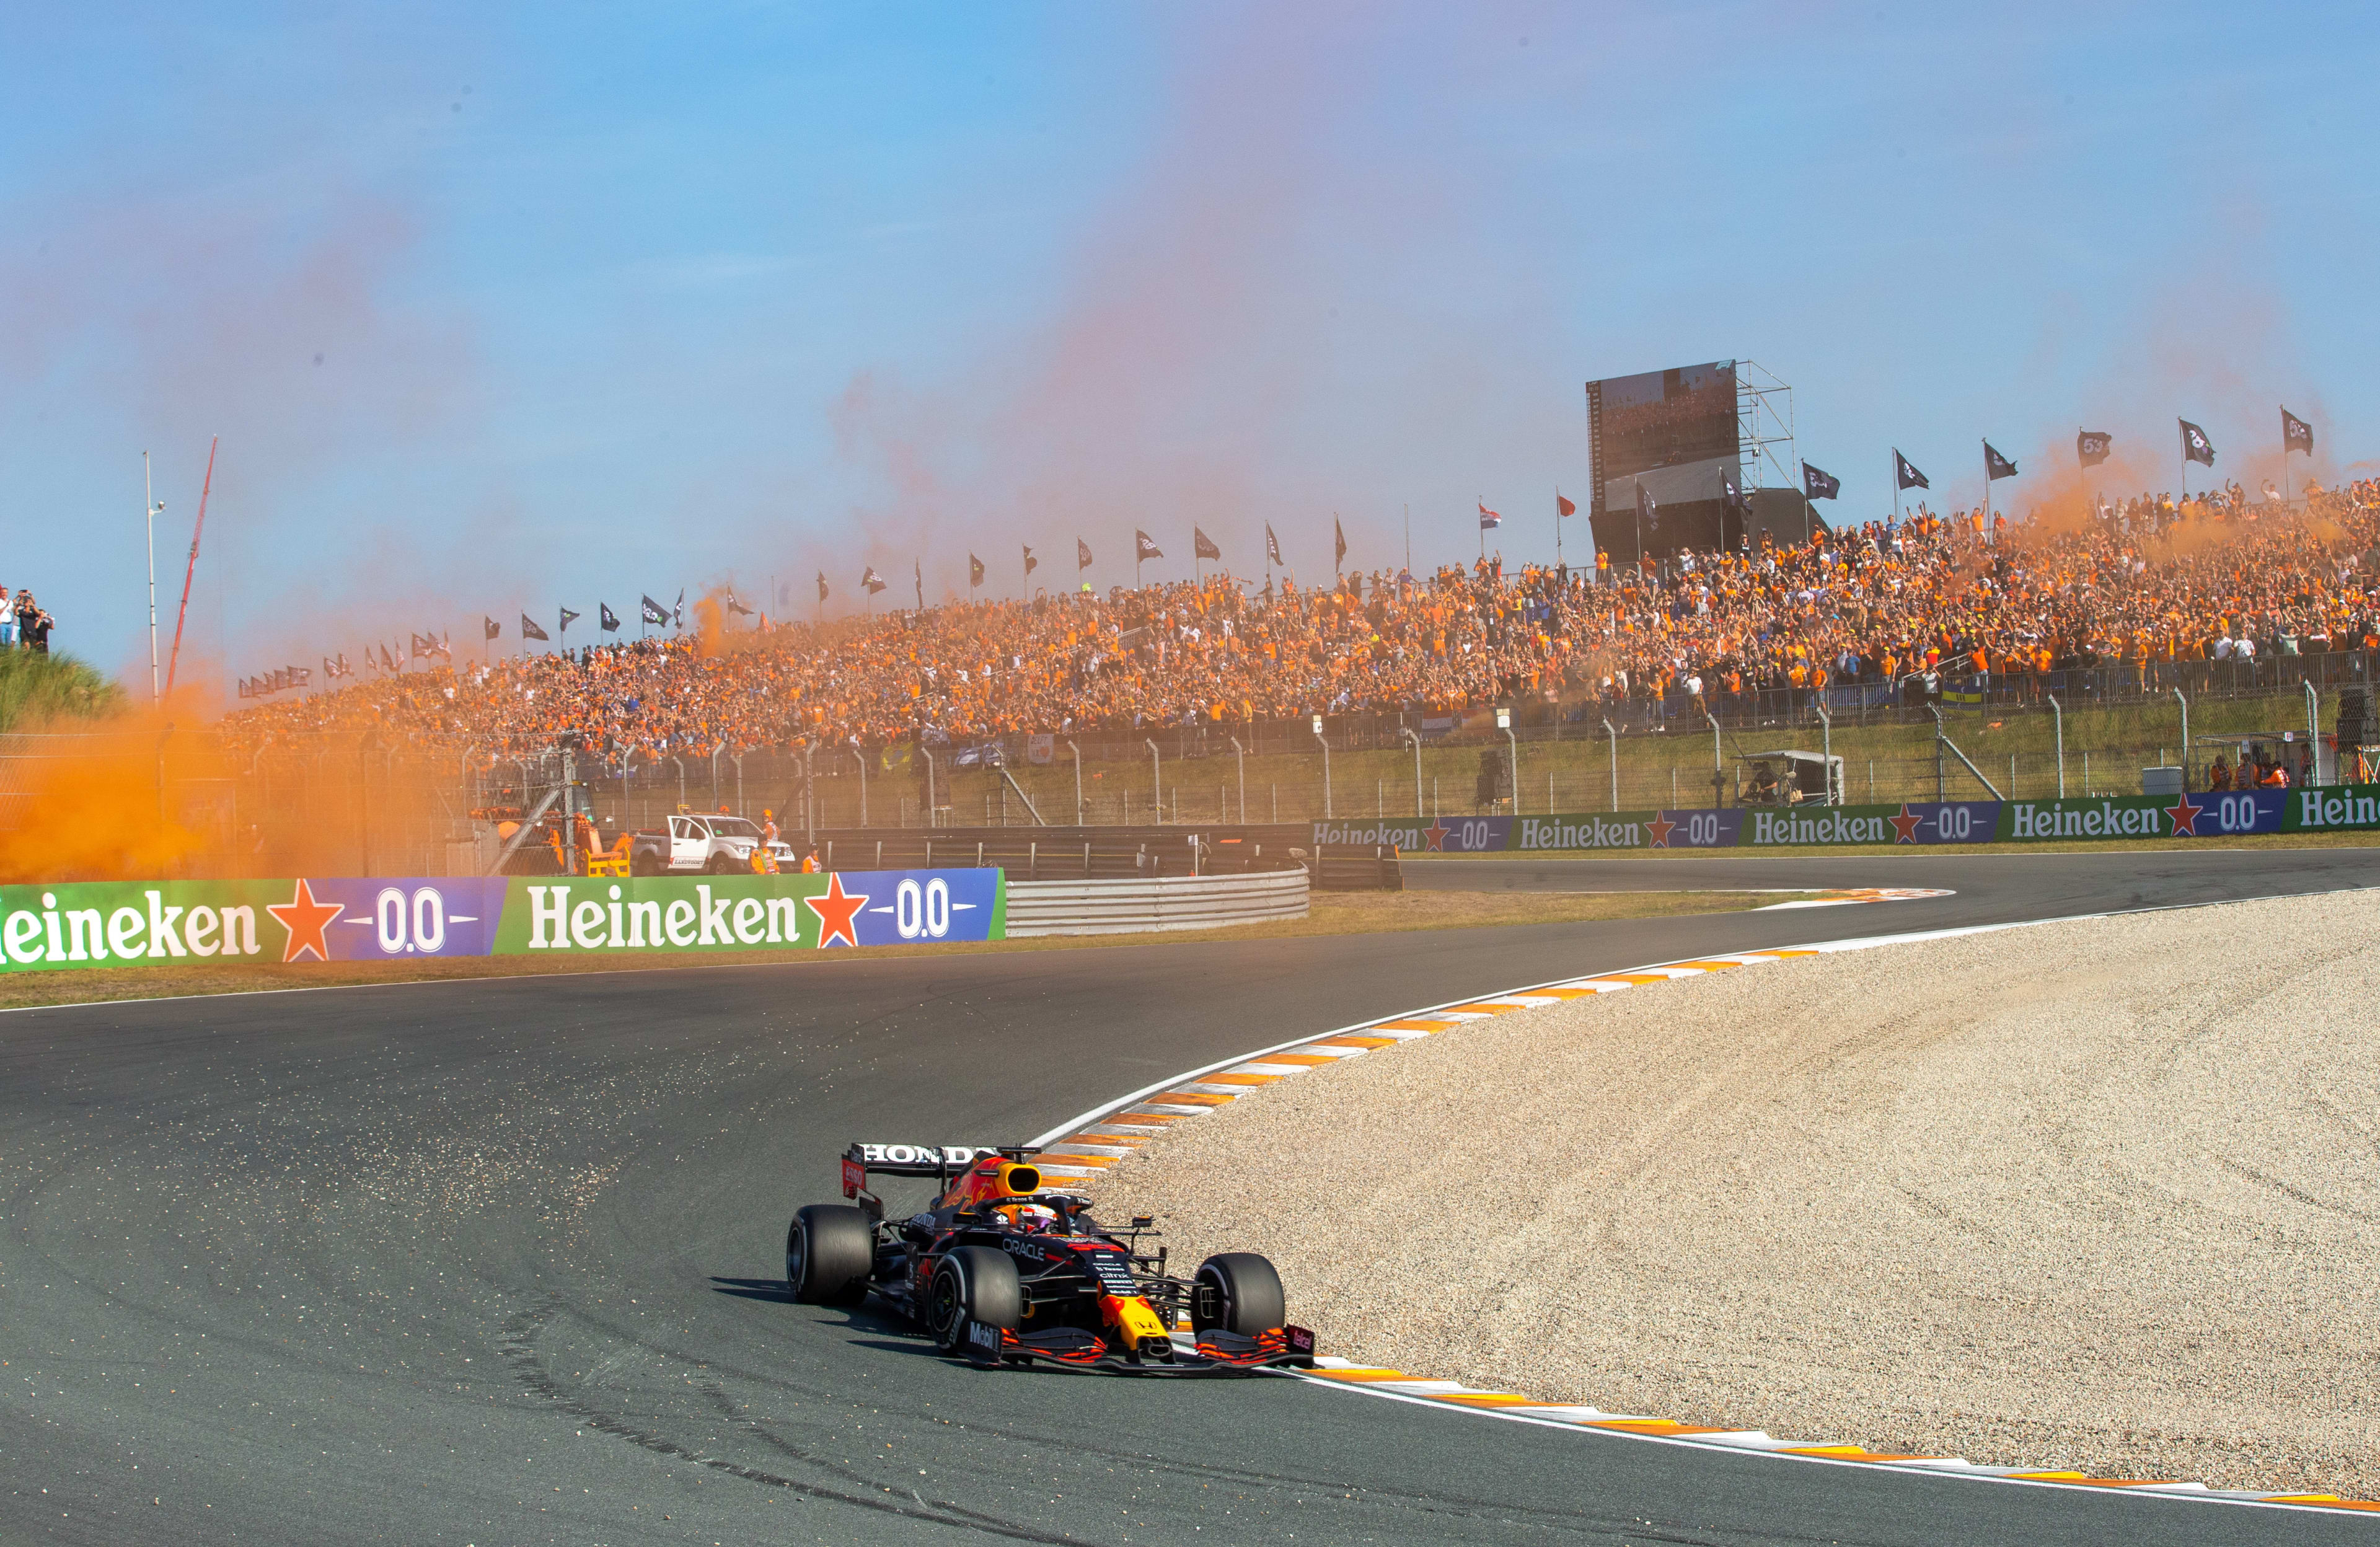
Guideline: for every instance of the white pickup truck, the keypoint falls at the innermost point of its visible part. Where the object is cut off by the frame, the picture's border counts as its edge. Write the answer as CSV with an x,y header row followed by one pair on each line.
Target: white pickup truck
x,y
715,845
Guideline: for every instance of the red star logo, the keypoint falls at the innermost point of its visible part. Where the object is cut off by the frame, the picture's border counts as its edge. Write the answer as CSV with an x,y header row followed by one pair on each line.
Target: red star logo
x,y
1660,827
2185,816
1906,824
835,911
305,919
1436,834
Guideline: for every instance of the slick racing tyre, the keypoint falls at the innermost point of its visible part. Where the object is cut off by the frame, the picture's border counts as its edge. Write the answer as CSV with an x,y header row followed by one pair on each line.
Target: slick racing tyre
x,y
972,1284
830,1252
1237,1292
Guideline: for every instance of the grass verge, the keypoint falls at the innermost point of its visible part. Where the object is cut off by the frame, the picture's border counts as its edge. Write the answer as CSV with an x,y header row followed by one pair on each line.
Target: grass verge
x,y
1332,913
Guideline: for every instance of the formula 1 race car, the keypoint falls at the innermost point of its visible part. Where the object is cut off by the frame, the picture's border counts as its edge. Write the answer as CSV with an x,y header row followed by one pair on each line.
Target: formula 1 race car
x,y
1001,1271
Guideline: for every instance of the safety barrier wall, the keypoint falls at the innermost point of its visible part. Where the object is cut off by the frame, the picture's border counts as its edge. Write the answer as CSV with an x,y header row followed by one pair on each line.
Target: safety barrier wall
x,y
2201,814
96,924
1124,906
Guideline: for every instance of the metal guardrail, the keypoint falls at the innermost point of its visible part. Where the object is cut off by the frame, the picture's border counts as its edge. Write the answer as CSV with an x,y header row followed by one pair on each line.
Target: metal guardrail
x,y
1122,906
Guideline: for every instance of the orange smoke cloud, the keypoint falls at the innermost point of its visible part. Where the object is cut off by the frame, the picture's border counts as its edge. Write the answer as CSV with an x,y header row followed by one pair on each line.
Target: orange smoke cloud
x,y
103,802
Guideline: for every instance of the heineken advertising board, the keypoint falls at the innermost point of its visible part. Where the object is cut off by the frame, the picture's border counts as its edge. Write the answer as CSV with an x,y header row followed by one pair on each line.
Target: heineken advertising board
x,y
2203,814
150,923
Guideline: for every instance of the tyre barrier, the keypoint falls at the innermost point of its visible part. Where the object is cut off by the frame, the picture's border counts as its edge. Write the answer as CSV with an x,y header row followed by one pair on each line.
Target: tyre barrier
x,y
1045,907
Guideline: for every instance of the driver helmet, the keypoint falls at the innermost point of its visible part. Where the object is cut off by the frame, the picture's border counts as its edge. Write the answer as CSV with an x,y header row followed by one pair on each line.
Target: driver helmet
x,y
1030,1218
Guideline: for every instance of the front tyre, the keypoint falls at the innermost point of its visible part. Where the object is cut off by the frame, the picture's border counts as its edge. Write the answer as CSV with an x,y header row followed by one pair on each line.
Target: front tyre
x,y
830,1252
972,1284
1237,1292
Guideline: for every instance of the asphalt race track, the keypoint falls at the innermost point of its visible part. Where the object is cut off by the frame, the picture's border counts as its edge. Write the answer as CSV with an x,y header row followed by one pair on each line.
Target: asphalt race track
x,y
500,1261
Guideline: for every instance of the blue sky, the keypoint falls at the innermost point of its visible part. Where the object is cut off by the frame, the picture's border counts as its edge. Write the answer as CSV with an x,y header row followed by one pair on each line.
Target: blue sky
x,y
610,301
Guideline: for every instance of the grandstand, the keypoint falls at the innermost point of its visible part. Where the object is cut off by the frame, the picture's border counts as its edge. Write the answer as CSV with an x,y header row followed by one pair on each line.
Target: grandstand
x,y
2145,594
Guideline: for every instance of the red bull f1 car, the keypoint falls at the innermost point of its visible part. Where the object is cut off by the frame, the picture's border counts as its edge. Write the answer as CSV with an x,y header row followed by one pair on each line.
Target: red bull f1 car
x,y
1001,1270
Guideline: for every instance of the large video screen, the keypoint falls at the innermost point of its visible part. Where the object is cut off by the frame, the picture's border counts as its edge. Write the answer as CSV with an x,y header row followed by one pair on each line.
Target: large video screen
x,y
1676,430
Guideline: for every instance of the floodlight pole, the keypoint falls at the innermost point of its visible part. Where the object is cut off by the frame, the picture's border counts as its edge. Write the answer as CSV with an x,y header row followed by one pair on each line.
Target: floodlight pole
x,y
150,506
1613,732
1326,767
2058,720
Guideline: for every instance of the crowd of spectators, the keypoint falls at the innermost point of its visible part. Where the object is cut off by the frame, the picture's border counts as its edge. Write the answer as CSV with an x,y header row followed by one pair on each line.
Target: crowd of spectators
x,y
1929,597
25,624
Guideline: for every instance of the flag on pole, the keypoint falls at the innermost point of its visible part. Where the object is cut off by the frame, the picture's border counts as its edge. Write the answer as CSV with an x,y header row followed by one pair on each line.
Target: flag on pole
x,y
530,630
2091,446
917,573
1647,510
1204,545
1144,548
821,585
1996,465
2195,447
488,628
1272,548
654,613
1338,541
738,608
1730,492
2295,434
974,571
567,619
444,650
1082,556
608,619
677,612
389,662
1905,474
1563,506
1819,485
871,581
1488,520
1031,562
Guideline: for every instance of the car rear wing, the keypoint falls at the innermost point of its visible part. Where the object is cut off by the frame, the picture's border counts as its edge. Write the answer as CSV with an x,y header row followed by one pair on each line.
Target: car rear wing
x,y
939,1162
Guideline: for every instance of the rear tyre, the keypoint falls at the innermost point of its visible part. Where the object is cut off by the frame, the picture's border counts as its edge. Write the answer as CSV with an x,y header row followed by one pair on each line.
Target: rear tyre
x,y
1237,1292
972,1284
718,864
830,1252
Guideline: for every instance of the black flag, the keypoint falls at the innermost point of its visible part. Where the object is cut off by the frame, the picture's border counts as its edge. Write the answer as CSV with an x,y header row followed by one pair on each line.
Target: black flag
x,y
738,608
871,581
677,613
2295,434
530,630
2091,446
1031,562
488,628
1338,541
2195,447
917,573
1648,511
567,619
607,617
821,585
1144,548
974,571
1819,485
421,647
1082,556
1996,465
1731,493
653,611
1204,545
1905,474
1272,547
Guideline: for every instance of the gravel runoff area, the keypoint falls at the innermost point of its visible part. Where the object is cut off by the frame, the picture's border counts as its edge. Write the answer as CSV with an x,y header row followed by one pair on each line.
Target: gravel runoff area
x,y
2096,1195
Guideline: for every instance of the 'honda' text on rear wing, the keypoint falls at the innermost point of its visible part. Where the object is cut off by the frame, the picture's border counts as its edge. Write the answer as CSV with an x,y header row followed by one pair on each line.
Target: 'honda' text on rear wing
x,y
939,1162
